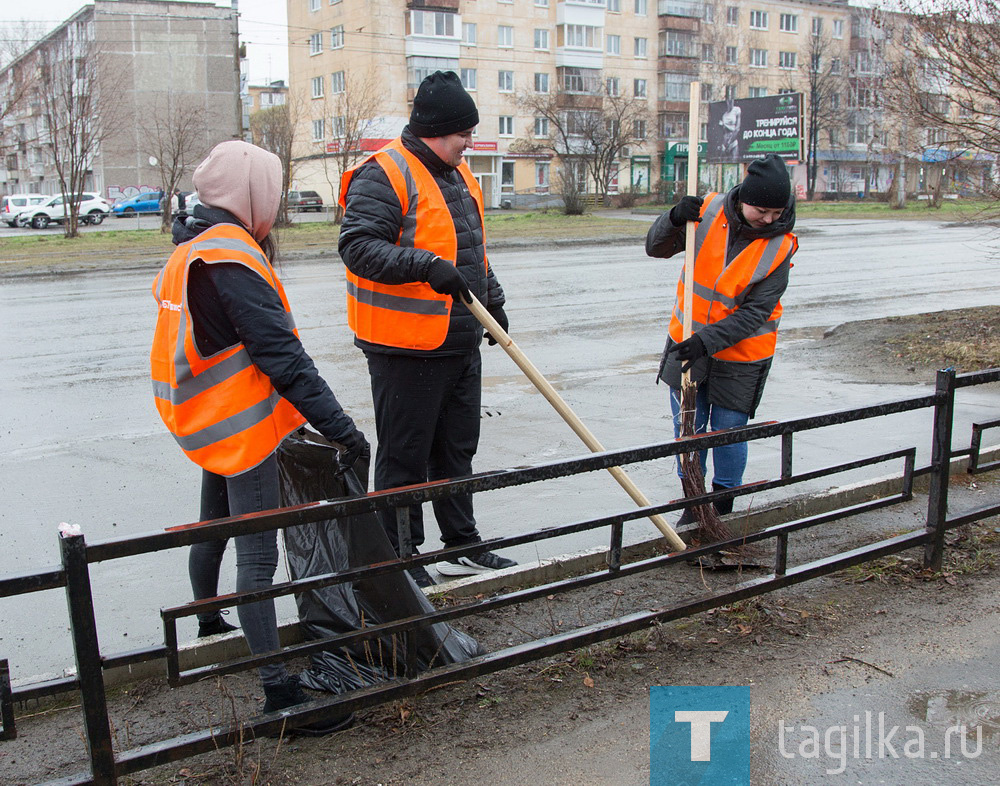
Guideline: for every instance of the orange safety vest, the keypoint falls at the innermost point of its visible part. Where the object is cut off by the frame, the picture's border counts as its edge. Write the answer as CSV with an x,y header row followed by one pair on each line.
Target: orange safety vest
x,y
720,288
412,315
222,410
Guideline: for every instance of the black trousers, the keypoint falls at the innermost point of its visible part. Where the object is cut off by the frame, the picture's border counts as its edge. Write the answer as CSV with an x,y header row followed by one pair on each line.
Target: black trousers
x,y
427,412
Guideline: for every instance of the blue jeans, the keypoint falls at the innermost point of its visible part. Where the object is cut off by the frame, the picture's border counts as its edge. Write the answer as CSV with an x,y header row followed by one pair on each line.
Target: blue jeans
x,y
728,461
256,555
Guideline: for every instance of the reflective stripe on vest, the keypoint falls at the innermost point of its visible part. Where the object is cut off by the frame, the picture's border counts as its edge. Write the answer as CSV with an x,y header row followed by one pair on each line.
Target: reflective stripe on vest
x,y
412,315
221,409
719,288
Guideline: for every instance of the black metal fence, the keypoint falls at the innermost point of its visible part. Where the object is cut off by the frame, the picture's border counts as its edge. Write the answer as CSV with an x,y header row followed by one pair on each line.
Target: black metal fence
x,y
106,766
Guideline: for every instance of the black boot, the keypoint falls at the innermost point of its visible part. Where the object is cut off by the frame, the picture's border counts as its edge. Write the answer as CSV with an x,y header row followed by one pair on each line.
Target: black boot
x,y
289,693
722,506
214,627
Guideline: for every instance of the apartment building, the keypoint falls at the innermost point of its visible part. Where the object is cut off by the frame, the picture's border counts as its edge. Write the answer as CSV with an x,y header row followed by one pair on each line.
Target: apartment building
x,y
147,59
500,48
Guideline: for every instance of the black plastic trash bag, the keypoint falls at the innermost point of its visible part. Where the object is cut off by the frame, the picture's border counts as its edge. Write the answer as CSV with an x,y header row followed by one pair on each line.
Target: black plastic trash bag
x,y
307,464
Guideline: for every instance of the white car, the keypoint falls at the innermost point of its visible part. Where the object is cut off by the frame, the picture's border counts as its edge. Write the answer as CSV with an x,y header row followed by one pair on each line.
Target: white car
x,y
13,205
93,210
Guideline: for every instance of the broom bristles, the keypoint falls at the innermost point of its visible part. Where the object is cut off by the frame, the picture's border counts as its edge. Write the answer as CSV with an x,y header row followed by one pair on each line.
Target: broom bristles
x,y
711,529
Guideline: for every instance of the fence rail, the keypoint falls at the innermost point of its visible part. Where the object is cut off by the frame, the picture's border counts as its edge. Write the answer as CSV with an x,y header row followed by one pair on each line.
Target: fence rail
x,y
77,555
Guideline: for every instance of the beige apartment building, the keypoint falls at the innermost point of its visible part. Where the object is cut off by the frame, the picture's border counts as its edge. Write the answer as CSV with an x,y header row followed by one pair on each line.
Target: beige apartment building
x,y
650,50
147,59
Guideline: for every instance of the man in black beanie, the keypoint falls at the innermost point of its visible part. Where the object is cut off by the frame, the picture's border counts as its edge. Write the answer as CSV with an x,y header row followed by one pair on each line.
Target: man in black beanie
x,y
744,247
412,243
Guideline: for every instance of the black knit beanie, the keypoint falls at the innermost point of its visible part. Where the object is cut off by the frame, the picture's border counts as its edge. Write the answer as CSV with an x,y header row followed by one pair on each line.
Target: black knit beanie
x,y
766,184
442,106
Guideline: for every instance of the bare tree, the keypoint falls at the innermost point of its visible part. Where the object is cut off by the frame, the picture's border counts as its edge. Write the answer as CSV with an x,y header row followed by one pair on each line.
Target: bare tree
x,y
353,116
16,80
175,135
77,111
945,81
274,129
589,130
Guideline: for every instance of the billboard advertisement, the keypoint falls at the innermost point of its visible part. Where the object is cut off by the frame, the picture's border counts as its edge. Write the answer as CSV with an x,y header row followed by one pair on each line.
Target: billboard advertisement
x,y
743,129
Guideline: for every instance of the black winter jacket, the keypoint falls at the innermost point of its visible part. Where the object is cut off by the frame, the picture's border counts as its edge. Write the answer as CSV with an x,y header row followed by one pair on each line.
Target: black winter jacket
x,y
230,303
372,221
731,384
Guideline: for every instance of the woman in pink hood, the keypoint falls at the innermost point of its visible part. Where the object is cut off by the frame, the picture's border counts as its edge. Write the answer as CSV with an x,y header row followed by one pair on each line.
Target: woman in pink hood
x,y
231,380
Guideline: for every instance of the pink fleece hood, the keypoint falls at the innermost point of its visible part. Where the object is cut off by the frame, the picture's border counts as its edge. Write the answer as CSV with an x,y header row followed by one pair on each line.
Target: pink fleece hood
x,y
243,179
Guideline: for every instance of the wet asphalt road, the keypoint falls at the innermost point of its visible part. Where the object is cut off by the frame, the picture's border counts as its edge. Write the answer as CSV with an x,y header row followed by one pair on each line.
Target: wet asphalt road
x,y
80,440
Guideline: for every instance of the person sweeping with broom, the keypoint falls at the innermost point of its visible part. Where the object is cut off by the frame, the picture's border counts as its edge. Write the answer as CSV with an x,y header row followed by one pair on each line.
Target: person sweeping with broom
x,y
743,250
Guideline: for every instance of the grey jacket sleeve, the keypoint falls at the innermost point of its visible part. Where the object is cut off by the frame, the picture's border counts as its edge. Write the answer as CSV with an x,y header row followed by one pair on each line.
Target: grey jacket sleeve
x,y
664,239
372,222
753,312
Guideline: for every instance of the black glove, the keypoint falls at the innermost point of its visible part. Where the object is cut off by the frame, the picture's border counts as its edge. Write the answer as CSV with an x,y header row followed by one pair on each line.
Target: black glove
x,y
445,279
355,447
689,351
688,209
500,316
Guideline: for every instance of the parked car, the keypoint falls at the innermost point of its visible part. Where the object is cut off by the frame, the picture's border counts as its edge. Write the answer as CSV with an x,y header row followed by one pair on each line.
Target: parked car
x,y
92,210
13,205
148,202
304,200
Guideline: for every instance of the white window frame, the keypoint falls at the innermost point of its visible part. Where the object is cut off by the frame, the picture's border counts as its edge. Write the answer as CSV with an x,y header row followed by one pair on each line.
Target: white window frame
x,y
732,16
318,86
337,37
314,5
338,79
469,34
788,23
732,55
541,128
319,130
788,60
758,58
542,170
541,39
758,20
505,125
338,127
757,92
640,48
817,26
639,129
838,28
315,44
641,7
541,81
613,44
433,24
505,81
505,37
468,78
614,6
613,86
639,88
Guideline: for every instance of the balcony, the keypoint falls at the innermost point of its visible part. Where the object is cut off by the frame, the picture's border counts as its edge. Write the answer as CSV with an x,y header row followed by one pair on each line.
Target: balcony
x,y
432,5
689,8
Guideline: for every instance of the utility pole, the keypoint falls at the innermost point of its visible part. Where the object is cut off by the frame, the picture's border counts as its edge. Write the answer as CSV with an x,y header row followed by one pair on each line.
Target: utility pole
x,y
235,5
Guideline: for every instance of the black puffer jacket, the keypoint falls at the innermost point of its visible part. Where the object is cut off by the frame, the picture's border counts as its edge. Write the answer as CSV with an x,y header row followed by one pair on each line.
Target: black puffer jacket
x,y
230,303
732,385
368,247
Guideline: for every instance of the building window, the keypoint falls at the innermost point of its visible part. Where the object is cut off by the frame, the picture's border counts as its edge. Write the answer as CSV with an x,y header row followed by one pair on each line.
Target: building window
x,y
817,28
758,20
835,66
318,130
338,126
640,48
834,100
758,58
677,43
640,8
505,81
469,33
673,125
317,87
615,6
337,37
581,36
542,3
469,78
706,91
506,125
541,126
787,60
758,92
314,5
639,129
614,44
732,57
639,88
816,64
579,80
338,84
729,93
838,28
432,23
541,38
613,85
505,36
857,132
788,23
315,43
732,15
542,178
707,53
708,14
541,82
676,87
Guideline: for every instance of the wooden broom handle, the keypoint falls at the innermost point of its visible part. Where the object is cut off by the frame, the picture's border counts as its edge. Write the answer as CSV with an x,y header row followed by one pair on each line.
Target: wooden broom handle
x,y
694,131
546,389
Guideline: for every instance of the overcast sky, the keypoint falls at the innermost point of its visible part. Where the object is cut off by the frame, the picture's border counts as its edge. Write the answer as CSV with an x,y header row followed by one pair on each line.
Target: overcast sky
x,y
263,26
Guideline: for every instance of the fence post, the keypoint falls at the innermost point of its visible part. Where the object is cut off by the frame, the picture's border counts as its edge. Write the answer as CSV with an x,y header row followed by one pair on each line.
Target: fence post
x,y
89,668
937,498
9,731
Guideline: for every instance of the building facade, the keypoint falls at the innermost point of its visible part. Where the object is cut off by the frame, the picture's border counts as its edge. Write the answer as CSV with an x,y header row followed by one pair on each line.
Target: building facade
x,y
148,61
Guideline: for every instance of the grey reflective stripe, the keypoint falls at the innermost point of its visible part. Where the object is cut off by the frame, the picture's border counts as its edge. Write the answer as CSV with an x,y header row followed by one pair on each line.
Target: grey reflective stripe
x,y
189,386
679,315
770,326
409,305
707,293
409,229
228,244
763,266
706,221
232,425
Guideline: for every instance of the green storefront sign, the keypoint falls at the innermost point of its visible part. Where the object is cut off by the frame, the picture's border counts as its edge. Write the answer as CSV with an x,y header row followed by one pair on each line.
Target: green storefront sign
x,y
679,150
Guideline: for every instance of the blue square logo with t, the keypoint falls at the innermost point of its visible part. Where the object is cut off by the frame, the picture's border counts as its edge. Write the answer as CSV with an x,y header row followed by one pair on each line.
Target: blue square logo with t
x,y
699,735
